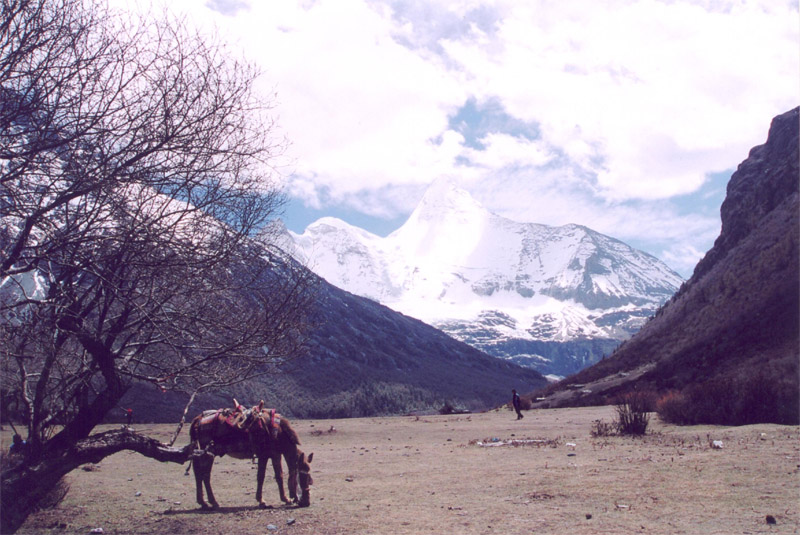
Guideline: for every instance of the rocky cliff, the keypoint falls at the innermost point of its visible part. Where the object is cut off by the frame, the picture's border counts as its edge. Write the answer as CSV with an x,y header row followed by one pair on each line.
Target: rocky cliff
x,y
738,315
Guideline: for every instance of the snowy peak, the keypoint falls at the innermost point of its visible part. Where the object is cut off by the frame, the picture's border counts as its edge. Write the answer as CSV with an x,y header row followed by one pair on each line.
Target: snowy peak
x,y
444,228
444,201
453,264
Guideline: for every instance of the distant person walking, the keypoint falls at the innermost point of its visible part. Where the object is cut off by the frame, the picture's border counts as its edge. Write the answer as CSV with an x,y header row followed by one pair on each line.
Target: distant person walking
x,y
517,403
129,414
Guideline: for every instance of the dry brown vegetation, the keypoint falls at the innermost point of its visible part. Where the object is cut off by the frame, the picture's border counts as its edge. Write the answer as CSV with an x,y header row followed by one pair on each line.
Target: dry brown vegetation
x,y
448,474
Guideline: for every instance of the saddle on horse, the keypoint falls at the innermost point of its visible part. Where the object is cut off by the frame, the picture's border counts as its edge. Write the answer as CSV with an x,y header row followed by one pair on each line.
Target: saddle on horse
x,y
229,427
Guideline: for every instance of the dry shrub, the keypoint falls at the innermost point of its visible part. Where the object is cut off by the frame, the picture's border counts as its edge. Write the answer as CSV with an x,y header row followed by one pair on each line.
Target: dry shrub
x,y
632,413
318,432
648,399
743,399
602,428
674,407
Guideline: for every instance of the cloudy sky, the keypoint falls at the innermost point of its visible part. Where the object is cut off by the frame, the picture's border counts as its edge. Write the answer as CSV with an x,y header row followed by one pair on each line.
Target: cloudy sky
x,y
625,116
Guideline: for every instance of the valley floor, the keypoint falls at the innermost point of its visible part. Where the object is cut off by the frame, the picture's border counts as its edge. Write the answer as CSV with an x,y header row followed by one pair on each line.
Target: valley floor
x,y
460,474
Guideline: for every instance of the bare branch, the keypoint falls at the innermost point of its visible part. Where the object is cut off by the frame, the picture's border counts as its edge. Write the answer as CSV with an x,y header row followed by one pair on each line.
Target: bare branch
x,y
135,172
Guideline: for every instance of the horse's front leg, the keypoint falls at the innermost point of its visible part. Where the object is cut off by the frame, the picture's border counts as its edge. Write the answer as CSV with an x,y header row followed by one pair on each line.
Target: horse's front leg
x,y
262,469
292,479
276,466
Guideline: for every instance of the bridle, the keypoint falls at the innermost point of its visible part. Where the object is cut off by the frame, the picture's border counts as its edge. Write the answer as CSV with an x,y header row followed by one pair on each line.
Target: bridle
x,y
310,481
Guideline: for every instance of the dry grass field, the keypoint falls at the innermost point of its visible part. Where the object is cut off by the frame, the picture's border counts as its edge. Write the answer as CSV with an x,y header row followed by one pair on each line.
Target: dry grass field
x,y
459,474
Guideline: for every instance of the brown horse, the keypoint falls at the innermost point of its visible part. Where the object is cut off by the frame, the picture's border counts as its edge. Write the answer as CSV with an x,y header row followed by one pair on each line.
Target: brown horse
x,y
243,434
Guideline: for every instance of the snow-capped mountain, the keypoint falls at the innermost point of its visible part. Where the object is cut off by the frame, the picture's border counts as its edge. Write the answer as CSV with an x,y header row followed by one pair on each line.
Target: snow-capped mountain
x,y
554,298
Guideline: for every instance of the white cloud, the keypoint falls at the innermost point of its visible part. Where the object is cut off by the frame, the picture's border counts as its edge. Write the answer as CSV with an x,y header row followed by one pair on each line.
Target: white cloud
x,y
361,110
645,84
595,112
503,150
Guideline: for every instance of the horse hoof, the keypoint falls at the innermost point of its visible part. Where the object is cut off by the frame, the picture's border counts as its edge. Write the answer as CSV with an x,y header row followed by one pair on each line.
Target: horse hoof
x,y
263,505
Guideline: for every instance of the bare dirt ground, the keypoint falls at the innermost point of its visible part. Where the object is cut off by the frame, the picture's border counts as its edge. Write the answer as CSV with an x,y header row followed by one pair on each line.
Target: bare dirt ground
x,y
459,474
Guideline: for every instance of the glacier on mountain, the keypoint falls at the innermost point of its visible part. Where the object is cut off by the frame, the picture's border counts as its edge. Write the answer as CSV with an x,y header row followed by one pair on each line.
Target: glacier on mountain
x,y
515,290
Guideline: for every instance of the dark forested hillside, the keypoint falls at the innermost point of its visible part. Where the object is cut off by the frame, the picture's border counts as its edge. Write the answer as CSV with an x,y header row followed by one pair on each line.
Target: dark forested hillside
x,y
736,321
363,359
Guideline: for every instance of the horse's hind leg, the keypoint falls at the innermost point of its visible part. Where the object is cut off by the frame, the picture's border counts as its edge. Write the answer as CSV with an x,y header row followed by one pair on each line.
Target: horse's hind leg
x,y
202,476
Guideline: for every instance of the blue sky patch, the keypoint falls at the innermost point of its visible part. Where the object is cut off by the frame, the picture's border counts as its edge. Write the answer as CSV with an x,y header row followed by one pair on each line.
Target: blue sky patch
x,y
476,120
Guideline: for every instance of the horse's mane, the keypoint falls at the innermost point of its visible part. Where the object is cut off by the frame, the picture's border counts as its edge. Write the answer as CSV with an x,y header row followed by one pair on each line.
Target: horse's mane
x,y
287,429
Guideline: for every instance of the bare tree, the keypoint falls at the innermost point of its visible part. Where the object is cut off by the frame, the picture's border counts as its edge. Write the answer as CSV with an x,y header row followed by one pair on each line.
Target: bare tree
x,y
135,171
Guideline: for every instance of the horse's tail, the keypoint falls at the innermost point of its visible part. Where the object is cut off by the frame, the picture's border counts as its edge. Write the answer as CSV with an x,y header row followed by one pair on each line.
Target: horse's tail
x,y
194,429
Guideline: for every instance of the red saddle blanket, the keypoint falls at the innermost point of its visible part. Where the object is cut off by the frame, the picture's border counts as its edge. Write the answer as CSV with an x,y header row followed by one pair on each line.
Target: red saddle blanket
x,y
240,419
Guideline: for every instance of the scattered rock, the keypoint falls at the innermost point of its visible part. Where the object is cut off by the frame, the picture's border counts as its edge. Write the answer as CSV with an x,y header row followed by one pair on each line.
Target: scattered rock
x,y
138,493
349,479
272,527
771,520
588,516
290,521
97,530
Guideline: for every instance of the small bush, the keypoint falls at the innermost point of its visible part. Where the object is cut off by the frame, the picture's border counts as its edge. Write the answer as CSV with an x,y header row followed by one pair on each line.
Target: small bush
x,y
762,397
648,400
675,408
601,428
632,413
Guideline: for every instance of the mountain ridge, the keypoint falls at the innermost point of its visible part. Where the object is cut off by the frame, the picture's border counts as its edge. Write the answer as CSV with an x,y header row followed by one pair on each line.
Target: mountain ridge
x,y
455,265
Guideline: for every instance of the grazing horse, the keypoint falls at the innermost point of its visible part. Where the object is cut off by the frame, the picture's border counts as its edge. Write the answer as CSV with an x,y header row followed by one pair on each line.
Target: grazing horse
x,y
243,434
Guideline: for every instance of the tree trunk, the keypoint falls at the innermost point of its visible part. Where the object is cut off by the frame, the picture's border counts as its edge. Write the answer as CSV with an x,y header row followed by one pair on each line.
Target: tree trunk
x,y
24,484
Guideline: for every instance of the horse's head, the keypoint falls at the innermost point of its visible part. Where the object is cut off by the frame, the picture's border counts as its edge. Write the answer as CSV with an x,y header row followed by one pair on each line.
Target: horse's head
x,y
304,478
